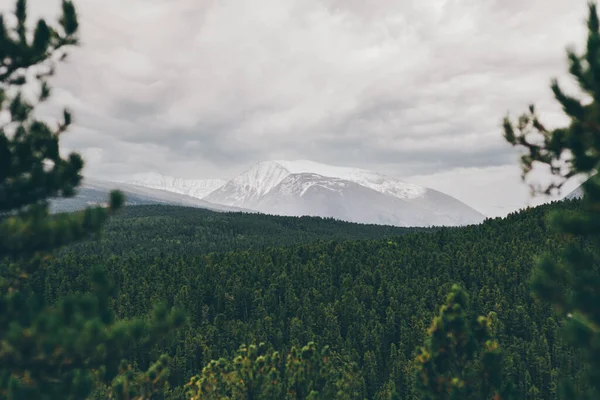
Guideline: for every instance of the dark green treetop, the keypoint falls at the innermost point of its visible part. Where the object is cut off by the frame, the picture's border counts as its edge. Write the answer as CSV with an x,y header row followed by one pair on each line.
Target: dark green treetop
x,y
258,373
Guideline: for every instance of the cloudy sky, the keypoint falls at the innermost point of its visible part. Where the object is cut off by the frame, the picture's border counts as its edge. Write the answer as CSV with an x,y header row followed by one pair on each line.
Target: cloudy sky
x,y
411,88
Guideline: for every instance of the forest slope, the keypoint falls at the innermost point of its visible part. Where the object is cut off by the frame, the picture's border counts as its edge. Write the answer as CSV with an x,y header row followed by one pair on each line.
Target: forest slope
x,y
152,229
370,300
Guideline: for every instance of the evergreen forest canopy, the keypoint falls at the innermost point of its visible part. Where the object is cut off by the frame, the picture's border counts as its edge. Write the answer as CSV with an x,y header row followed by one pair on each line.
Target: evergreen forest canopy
x,y
180,303
370,300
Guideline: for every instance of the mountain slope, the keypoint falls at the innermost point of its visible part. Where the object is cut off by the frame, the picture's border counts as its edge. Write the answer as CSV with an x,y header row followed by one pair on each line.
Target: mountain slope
x,y
351,194
95,192
198,188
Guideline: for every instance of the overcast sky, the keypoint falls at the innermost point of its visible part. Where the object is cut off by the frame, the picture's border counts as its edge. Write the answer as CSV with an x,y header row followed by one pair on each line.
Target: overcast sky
x,y
411,88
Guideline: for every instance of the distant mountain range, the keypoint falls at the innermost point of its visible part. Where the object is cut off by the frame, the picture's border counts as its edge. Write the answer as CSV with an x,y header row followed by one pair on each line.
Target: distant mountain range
x,y
349,194
291,188
198,188
297,188
95,192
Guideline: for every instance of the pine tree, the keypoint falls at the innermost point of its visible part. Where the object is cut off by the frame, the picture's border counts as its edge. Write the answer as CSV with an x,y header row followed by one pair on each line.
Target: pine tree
x,y
253,374
572,283
460,360
50,351
260,374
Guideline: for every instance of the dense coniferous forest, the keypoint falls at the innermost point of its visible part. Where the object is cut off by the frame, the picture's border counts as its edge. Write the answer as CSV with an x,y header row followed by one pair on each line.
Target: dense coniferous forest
x,y
371,300
182,230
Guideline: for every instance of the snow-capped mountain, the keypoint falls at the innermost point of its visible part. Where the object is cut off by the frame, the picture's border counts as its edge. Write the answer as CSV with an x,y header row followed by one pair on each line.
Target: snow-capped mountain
x,y
264,176
198,188
351,194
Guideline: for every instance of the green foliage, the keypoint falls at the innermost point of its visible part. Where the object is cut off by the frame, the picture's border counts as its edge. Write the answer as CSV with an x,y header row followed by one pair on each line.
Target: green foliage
x,y
257,373
460,359
56,351
180,231
571,281
135,385
370,301
253,373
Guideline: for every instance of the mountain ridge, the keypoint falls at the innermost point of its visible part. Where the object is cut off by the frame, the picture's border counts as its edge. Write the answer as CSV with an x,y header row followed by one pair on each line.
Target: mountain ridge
x,y
198,188
93,192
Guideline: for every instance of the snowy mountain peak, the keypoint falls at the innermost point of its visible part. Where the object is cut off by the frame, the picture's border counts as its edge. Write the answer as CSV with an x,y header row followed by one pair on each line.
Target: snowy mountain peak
x,y
198,188
265,175
261,178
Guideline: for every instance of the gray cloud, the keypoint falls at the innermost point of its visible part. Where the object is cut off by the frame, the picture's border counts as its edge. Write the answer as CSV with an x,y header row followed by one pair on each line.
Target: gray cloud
x,y
203,89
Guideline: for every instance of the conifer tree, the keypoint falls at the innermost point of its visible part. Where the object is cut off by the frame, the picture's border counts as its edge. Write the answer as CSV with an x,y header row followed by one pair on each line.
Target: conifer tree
x,y
460,360
50,351
257,373
572,283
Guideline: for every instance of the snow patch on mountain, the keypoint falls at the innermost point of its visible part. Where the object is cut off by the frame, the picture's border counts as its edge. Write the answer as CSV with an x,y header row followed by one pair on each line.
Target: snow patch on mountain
x,y
299,183
372,180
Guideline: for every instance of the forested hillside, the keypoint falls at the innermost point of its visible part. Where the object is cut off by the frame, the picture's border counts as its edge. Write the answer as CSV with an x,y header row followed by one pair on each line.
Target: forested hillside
x,y
175,230
370,301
